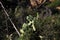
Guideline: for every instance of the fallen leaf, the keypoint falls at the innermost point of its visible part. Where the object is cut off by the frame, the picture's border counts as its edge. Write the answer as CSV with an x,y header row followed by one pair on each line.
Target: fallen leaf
x,y
51,0
33,3
39,1
58,7
36,2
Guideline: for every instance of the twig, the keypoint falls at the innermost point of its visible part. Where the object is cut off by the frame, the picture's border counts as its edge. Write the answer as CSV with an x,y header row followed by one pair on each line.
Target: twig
x,y
9,19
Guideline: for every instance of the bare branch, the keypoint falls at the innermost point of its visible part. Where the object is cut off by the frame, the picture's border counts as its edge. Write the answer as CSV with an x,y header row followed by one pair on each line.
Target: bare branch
x,y
10,19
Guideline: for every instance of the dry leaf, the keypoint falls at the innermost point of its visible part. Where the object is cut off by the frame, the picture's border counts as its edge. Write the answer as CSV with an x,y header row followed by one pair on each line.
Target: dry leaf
x,y
36,2
58,7
51,0
33,3
39,1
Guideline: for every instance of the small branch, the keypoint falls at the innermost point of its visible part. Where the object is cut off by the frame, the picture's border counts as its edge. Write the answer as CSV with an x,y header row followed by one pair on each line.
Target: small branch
x,y
9,19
